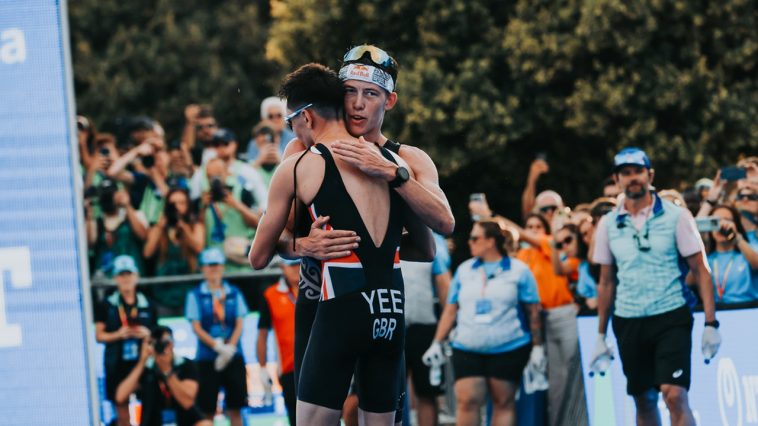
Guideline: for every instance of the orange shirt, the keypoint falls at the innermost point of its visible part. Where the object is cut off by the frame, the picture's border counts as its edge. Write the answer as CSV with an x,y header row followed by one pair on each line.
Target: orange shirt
x,y
553,289
281,310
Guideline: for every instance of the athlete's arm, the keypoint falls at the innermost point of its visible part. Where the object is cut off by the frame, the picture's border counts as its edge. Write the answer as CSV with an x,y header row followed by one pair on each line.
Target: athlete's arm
x,y
606,294
702,275
272,223
422,192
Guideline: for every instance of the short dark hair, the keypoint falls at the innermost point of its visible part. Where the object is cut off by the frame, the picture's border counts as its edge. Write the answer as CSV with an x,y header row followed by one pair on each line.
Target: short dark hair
x,y
205,111
159,330
314,84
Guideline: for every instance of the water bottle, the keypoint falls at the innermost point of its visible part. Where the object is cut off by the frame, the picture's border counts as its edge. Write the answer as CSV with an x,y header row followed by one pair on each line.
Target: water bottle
x,y
601,364
435,375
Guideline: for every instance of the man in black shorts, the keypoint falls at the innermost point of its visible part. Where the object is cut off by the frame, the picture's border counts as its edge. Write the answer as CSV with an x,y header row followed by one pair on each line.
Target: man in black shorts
x,y
364,286
641,247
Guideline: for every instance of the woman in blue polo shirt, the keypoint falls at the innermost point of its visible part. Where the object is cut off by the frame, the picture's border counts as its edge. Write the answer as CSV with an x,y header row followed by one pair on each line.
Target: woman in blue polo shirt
x,y
731,272
492,340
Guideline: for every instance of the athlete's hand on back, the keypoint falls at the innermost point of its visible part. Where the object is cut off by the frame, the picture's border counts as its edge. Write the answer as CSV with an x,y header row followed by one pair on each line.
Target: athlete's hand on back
x,y
434,356
365,157
325,244
602,357
711,342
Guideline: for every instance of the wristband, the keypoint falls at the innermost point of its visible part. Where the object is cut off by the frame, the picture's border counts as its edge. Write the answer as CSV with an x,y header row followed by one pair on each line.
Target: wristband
x,y
715,324
711,202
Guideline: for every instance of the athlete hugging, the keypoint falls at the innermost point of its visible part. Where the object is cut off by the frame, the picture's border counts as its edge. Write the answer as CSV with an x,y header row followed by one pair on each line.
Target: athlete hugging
x,y
352,199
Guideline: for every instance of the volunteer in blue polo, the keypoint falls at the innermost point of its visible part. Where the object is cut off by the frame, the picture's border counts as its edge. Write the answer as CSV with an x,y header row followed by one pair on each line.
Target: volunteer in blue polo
x,y
216,310
644,247
492,342
122,321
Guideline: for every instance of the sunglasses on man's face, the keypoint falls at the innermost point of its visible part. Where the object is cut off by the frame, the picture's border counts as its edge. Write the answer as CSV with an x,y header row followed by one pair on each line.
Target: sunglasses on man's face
x,y
747,197
273,116
288,119
474,238
206,126
546,209
566,241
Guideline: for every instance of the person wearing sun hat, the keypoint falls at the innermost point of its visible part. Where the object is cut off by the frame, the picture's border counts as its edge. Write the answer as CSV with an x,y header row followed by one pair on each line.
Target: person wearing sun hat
x,y
216,310
639,246
122,320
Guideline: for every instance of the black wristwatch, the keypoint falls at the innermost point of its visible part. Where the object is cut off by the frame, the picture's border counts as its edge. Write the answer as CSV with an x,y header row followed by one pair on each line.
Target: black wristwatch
x,y
401,176
715,324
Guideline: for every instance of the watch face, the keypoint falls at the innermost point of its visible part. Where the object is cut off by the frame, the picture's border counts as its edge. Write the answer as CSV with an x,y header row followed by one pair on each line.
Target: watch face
x,y
403,174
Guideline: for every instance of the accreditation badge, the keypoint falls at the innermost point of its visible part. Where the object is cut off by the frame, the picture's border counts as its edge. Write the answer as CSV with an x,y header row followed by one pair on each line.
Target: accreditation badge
x,y
168,417
130,350
483,313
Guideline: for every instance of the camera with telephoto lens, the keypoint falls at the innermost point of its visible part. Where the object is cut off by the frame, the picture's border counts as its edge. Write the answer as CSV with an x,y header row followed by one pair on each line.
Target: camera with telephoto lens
x,y
218,190
105,194
728,233
172,214
160,346
148,161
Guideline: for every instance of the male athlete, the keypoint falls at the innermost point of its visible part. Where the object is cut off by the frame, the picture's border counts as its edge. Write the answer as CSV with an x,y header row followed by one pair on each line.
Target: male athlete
x,y
359,324
370,78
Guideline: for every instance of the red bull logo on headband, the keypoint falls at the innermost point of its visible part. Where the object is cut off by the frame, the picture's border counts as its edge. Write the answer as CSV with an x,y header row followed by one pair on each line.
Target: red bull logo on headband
x,y
368,74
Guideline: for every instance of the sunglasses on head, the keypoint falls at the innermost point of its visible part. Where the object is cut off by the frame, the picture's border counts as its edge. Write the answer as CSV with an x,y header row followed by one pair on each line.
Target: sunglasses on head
x,y
215,143
288,119
206,126
566,241
545,209
749,197
378,56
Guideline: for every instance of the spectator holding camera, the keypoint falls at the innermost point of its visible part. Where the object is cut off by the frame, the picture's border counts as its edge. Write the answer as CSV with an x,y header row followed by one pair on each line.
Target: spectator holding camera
x,y
228,214
120,230
122,322
273,110
268,152
147,178
199,127
168,384
493,341
225,148
216,310
176,239
732,259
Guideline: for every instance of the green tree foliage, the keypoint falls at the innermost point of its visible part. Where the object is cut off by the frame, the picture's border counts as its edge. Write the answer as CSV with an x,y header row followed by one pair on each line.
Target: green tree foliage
x,y
153,57
484,85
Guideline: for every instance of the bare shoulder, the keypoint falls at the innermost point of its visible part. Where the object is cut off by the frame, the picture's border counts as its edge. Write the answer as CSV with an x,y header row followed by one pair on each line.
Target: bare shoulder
x,y
419,161
294,146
